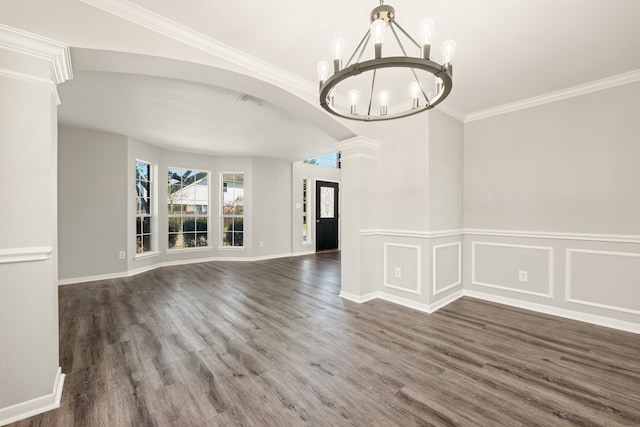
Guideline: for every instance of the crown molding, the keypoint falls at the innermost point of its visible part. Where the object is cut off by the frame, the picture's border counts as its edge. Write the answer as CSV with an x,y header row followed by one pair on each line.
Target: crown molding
x,y
358,142
159,24
594,86
55,52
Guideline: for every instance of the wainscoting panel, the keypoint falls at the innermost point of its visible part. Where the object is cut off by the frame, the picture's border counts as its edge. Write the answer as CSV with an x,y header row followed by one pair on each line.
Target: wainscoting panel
x,y
499,265
446,267
404,261
602,279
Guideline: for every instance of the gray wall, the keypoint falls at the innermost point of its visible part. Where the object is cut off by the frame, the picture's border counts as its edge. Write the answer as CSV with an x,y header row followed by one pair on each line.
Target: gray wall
x,y
92,202
97,194
553,191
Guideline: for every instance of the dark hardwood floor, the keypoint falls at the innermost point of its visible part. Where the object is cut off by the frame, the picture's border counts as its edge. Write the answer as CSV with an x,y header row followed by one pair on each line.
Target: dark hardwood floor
x,y
270,343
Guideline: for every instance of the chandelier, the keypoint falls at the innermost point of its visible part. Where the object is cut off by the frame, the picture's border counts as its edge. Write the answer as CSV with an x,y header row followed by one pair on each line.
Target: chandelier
x,y
411,84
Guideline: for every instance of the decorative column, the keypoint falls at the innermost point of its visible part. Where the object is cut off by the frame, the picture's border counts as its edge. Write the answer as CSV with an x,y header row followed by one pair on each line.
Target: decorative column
x,y
30,69
359,163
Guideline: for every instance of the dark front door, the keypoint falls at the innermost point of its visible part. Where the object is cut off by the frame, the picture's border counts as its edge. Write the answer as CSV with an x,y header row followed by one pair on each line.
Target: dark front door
x,y
326,215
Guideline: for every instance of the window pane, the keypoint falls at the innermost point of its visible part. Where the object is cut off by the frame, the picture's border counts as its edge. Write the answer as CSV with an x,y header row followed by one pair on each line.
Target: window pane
x,y
139,247
146,242
146,225
189,240
173,238
201,239
237,239
138,225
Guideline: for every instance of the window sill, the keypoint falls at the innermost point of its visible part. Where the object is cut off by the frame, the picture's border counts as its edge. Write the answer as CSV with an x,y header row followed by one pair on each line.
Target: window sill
x,y
145,255
231,248
187,250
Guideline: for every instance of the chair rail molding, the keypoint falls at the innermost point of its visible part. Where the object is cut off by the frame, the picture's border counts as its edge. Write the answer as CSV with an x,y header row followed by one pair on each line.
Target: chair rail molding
x,y
14,255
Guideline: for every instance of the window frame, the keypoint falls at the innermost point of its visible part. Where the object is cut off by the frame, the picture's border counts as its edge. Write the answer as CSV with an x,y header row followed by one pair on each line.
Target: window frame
x,y
307,196
207,216
223,215
153,211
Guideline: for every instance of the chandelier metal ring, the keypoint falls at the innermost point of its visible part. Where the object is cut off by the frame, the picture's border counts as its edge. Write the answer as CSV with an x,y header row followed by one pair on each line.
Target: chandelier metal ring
x,y
391,62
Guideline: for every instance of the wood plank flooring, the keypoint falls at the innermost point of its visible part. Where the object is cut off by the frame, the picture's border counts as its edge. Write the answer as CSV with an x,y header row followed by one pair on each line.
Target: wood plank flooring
x,y
270,343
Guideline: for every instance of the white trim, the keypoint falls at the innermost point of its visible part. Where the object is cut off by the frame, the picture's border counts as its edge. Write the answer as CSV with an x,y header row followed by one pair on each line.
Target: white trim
x,y
151,267
560,312
583,89
550,267
159,24
359,299
446,301
146,255
358,142
414,234
33,79
14,255
36,406
97,278
435,269
39,47
231,248
418,267
614,238
568,280
304,253
405,302
178,251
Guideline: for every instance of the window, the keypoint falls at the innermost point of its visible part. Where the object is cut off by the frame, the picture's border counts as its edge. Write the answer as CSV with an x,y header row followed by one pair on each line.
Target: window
x,y
305,210
188,208
331,160
232,209
143,207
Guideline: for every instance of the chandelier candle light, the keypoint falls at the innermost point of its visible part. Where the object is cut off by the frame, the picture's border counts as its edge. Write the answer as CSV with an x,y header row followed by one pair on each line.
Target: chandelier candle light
x,y
426,82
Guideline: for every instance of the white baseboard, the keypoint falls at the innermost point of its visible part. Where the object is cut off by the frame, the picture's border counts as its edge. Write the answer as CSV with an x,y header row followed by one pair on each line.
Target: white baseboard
x,y
560,312
35,406
151,267
405,302
96,278
359,298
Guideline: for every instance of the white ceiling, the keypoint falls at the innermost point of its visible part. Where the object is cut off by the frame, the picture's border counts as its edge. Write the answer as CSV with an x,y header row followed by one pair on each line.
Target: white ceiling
x,y
507,51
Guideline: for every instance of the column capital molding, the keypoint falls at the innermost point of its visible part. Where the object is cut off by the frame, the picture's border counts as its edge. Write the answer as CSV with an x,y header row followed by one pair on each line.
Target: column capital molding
x,y
358,142
57,53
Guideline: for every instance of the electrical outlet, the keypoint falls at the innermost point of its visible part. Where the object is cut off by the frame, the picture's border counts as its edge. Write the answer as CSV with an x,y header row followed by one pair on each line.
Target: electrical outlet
x,y
261,244
397,273
122,255
522,276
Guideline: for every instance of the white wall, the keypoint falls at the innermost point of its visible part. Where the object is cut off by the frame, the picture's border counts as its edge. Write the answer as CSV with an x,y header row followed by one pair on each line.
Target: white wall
x,y
553,190
92,202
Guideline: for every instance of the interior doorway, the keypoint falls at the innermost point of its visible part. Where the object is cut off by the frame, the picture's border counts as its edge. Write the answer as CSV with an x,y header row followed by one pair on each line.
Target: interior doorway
x,y
326,215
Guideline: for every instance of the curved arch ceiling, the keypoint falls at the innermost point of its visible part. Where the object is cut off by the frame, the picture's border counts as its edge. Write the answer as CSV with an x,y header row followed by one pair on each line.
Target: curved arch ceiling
x,y
193,107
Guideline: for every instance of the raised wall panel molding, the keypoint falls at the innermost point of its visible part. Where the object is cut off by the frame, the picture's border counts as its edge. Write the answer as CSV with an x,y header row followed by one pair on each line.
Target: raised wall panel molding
x,y
35,406
568,279
8,256
40,47
173,30
434,268
606,83
418,250
614,238
550,267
